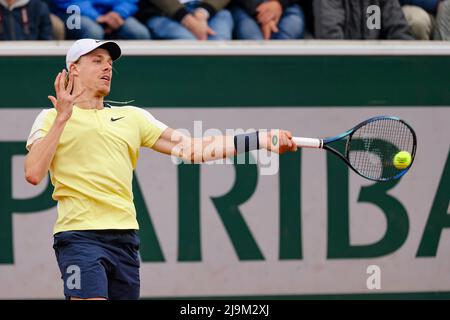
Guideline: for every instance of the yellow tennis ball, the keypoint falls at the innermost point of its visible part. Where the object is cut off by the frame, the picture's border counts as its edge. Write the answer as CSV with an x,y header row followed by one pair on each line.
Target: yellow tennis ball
x,y
402,160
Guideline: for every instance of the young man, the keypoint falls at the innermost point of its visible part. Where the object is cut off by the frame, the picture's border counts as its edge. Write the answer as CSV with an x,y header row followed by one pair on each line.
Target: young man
x,y
91,152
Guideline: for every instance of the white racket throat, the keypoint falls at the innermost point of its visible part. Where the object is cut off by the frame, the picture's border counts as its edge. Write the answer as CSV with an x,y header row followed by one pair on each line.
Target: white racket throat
x,y
308,142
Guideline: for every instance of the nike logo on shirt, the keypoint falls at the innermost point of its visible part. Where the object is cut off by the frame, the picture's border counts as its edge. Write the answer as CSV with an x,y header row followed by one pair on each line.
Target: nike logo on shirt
x,y
115,119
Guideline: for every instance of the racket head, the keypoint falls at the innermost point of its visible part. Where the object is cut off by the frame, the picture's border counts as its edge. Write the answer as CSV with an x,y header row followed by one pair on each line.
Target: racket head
x,y
372,145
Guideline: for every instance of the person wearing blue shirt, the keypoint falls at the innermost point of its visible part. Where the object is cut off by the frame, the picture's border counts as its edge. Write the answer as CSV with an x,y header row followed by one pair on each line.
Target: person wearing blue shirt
x,y
102,19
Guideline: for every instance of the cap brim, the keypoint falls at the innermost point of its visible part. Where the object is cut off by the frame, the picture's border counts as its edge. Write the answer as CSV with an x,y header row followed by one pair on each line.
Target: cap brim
x,y
113,48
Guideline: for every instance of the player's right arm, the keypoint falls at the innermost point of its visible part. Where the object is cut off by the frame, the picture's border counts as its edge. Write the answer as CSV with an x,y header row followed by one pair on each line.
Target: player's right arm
x,y
42,151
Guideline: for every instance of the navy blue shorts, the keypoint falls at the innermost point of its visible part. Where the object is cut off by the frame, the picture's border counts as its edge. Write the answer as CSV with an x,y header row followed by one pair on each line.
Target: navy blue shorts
x,y
99,263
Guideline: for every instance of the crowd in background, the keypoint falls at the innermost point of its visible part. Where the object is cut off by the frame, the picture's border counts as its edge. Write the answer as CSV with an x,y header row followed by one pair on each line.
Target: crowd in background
x,y
224,19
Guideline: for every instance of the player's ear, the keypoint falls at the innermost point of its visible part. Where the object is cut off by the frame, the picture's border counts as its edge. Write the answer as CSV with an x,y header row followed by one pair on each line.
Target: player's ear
x,y
73,69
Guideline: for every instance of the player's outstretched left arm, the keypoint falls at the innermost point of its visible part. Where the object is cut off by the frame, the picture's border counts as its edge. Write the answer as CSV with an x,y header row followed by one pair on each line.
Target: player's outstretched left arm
x,y
198,150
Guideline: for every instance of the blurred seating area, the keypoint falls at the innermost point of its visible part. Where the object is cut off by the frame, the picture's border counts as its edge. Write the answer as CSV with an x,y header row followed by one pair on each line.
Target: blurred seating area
x,y
225,19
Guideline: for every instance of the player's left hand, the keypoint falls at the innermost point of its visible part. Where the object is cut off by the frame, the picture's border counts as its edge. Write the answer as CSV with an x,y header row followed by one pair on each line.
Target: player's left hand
x,y
279,141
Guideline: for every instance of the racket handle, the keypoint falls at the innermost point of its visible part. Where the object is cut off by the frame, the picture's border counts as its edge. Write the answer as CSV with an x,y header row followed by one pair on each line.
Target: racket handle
x,y
308,142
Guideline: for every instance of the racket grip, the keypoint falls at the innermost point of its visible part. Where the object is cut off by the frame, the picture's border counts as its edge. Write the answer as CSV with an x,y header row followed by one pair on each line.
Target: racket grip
x,y
308,142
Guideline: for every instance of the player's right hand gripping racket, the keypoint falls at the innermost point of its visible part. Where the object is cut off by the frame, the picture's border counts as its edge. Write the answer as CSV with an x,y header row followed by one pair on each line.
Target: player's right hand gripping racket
x,y
371,146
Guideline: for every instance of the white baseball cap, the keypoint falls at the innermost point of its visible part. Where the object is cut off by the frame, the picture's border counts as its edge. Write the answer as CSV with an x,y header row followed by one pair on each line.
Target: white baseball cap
x,y
84,46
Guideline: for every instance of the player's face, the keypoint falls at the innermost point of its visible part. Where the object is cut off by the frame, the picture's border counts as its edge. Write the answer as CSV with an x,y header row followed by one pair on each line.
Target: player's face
x,y
95,71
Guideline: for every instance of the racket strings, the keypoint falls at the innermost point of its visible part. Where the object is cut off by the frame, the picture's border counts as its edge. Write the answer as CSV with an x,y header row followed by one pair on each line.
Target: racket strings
x,y
372,147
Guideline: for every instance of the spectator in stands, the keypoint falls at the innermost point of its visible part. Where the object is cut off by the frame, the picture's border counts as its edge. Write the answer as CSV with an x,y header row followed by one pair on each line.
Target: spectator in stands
x,y
24,20
442,29
187,20
59,32
306,6
420,17
347,19
102,19
427,19
268,19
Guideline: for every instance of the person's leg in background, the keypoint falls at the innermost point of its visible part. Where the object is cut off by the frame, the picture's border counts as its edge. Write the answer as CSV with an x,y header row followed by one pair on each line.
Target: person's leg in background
x,y
88,29
222,24
291,25
419,21
132,29
59,31
442,29
164,28
245,27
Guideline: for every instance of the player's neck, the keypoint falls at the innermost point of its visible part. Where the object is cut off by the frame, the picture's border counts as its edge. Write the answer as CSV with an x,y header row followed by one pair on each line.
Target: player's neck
x,y
89,102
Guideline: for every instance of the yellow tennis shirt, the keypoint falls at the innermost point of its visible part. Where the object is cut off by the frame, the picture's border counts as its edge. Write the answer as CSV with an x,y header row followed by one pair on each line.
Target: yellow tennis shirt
x,y
92,169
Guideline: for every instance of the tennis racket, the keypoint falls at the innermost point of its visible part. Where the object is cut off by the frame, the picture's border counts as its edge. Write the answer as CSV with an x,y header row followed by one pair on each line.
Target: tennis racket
x,y
370,147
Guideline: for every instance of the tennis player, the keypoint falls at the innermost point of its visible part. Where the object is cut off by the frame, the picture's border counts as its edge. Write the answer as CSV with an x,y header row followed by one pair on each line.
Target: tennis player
x,y
91,150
